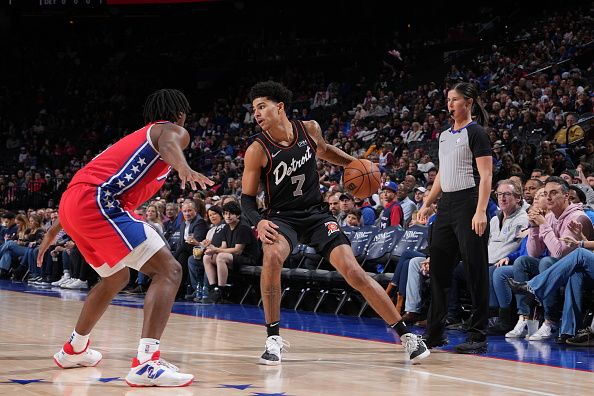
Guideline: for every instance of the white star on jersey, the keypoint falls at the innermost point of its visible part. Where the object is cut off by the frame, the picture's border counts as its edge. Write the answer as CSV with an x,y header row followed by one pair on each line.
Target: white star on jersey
x,y
141,161
135,169
128,177
121,183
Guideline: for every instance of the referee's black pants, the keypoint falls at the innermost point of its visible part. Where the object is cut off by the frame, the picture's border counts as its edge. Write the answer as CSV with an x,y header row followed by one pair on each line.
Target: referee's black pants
x,y
452,239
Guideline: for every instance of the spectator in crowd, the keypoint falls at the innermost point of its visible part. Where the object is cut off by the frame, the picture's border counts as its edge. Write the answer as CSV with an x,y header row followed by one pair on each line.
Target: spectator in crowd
x,y
347,203
392,215
192,231
367,211
504,238
238,246
198,280
571,271
547,232
530,188
334,203
353,218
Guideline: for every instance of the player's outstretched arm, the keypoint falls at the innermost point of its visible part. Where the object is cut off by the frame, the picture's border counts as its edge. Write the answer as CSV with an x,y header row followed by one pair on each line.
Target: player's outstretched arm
x,y
255,159
324,150
170,143
48,239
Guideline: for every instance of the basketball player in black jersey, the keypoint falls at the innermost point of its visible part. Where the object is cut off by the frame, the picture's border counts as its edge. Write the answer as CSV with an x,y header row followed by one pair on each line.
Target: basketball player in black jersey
x,y
283,159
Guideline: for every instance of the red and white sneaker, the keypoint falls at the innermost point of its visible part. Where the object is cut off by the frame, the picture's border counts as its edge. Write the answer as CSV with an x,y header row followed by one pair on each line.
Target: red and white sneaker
x,y
67,358
157,372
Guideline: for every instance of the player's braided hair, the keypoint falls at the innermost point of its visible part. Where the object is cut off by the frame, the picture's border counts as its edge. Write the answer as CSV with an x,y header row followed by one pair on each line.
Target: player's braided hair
x,y
273,91
166,105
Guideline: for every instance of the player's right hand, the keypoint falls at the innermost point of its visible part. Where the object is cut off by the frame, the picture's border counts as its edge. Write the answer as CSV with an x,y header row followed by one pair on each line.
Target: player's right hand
x,y
187,175
267,231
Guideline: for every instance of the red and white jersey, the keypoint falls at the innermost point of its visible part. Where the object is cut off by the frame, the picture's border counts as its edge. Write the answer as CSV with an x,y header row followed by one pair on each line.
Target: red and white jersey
x,y
126,174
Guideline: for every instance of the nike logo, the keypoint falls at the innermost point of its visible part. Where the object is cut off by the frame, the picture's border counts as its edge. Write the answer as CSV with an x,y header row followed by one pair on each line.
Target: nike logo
x,y
275,154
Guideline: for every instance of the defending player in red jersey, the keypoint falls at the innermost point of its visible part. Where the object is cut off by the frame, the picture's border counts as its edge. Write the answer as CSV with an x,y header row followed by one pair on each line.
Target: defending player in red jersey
x,y
96,211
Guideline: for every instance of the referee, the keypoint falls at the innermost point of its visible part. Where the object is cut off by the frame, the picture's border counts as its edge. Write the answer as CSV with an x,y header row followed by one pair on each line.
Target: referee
x,y
465,172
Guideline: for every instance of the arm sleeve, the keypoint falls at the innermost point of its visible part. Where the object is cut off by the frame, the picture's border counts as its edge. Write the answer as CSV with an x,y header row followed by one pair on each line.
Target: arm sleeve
x,y
249,209
478,140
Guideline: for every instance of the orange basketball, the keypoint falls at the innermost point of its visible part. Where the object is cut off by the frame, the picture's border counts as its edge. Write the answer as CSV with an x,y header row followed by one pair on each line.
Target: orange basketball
x,y
361,178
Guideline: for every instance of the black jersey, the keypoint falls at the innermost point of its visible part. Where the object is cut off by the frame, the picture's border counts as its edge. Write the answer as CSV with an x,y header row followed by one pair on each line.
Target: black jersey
x,y
290,179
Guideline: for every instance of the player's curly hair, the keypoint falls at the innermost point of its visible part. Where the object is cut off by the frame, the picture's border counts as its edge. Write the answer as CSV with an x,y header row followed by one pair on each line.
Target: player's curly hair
x,y
165,105
273,91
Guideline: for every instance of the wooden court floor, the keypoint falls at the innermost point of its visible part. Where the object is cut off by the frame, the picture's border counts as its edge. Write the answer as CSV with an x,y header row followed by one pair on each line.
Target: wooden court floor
x,y
223,355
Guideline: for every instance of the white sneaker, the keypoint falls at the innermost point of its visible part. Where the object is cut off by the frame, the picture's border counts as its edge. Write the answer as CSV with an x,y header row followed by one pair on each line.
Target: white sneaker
x,y
77,284
520,330
546,331
67,282
156,372
415,347
275,346
67,358
62,280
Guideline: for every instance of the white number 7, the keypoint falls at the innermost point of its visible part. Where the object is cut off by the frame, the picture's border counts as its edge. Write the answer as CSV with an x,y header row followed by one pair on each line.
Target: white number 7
x,y
299,179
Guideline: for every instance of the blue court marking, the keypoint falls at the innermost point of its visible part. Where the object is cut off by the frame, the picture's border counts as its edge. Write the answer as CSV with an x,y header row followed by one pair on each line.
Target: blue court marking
x,y
546,353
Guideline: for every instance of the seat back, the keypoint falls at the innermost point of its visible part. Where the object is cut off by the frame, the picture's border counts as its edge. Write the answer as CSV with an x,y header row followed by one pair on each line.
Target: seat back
x,y
360,240
414,238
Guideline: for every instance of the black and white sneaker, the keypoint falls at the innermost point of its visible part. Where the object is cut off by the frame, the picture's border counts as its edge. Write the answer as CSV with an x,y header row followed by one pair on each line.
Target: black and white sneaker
x,y
415,347
275,346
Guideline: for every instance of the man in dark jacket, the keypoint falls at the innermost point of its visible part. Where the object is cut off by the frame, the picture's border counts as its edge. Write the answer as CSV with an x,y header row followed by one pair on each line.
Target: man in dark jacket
x,y
192,231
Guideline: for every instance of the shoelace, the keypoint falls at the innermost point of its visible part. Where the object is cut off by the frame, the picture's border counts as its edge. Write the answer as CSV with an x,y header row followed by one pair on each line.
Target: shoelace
x,y
411,343
284,347
170,366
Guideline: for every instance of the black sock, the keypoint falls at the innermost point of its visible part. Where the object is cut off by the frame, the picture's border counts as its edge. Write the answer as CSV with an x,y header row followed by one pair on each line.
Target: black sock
x,y
400,328
273,329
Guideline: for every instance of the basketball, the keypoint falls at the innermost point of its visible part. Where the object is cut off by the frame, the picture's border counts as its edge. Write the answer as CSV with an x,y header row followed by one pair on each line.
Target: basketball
x,y
361,178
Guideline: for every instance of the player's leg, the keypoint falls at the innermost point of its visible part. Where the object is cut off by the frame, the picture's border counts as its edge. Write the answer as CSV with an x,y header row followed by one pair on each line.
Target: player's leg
x,y
76,353
342,258
148,369
274,256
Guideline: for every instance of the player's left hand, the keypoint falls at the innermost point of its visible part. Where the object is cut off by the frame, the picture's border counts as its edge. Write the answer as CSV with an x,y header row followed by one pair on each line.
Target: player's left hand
x,y
187,175
479,223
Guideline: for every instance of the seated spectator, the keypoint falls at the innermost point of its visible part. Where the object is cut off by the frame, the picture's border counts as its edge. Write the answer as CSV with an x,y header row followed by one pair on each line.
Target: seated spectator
x,y
334,204
367,211
195,265
572,271
238,246
23,248
548,232
571,133
408,206
192,231
501,295
353,218
504,232
9,227
347,204
393,214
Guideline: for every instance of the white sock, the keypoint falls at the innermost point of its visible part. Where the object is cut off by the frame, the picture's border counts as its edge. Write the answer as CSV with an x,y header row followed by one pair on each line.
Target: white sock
x,y
79,342
146,348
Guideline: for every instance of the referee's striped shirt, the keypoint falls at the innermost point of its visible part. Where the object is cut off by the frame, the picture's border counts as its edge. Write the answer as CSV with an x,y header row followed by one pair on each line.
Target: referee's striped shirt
x,y
457,152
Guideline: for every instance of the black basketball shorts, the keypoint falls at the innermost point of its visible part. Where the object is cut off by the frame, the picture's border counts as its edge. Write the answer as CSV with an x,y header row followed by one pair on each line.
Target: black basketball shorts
x,y
314,227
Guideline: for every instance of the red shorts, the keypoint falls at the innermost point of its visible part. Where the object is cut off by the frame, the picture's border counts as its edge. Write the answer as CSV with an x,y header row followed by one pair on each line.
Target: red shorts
x,y
109,237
